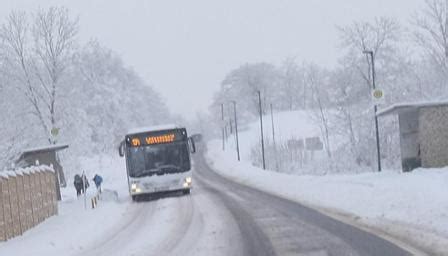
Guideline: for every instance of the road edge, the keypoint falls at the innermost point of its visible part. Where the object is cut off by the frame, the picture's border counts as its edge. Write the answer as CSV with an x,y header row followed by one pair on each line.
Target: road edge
x,y
413,246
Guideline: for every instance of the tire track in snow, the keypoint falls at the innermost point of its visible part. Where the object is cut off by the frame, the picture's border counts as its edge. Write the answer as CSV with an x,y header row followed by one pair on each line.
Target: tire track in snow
x,y
112,243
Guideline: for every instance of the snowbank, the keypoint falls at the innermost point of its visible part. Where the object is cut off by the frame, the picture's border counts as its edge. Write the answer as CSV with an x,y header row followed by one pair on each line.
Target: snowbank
x,y
76,224
417,199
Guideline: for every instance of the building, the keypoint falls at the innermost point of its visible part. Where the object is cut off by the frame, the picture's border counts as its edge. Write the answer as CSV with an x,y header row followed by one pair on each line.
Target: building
x,y
423,133
45,155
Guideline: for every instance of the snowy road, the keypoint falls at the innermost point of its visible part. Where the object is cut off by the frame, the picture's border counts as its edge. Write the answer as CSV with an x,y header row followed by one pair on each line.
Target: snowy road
x,y
271,225
224,218
220,217
175,225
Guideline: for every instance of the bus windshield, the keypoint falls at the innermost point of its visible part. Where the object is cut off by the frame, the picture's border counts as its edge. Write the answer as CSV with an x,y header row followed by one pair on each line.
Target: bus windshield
x,y
158,159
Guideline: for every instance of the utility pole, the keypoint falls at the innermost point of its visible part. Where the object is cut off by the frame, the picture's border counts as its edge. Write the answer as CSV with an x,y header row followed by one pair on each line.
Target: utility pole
x,y
273,140
84,190
223,127
236,131
370,53
261,128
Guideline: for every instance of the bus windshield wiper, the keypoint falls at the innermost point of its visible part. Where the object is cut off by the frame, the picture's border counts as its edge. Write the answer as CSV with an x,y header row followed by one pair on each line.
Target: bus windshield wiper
x,y
160,170
168,166
146,172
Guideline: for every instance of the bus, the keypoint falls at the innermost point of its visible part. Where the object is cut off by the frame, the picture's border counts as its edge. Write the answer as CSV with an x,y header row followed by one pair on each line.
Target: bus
x,y
158,160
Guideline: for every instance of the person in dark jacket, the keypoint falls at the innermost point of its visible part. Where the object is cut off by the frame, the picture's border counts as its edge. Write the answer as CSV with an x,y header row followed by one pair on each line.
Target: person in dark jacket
x,y
98,180
78,184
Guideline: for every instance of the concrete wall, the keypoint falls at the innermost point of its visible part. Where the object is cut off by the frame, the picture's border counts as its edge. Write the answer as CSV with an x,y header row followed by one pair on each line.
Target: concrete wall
x,y
27,197
409,140
433,127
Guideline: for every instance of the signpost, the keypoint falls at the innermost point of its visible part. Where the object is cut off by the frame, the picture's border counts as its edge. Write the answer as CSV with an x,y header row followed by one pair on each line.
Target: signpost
x,y
313,144
54,131
378,96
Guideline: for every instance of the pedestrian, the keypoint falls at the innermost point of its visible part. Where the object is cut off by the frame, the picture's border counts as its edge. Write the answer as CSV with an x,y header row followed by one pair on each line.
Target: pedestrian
x,y
78,184
85,183
98,180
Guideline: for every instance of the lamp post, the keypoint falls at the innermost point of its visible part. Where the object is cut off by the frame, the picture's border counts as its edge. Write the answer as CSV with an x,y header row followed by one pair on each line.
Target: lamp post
x,y
223,126
372,59
261,129
236,130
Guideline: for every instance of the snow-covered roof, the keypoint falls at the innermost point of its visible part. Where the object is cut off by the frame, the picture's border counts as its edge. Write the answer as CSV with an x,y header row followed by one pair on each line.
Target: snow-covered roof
x,y
46,148
406,106
153,128
26,171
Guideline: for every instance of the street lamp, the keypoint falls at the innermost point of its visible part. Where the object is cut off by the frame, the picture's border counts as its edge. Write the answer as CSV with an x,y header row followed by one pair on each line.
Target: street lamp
x,y
236,130
273,140
261,128
370,53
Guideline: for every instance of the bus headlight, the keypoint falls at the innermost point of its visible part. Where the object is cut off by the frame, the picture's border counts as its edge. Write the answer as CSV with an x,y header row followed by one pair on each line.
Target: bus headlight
x,y
187,182
135,188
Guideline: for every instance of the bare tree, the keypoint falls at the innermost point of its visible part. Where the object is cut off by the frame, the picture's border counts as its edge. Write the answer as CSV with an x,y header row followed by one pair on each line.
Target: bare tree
x,y
243,83
292,89
316,82
39,55
379,37
431,32
54,36
15,37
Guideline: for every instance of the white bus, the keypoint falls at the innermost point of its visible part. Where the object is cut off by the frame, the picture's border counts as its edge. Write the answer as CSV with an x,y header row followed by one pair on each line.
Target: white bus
x,y
158,160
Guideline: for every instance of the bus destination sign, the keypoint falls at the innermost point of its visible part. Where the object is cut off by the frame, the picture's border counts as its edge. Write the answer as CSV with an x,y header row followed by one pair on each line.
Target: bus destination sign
x,y
154,138
151,140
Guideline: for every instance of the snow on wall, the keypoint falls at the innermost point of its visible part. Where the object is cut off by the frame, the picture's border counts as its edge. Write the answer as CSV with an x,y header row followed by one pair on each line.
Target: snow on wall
x,y
27,197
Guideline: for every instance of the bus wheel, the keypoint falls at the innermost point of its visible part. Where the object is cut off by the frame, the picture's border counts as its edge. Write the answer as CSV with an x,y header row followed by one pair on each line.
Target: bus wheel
x,y
186,192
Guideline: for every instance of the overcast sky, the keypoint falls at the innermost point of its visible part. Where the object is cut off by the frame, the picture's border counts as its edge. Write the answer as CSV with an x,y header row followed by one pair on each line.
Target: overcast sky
x,y
185,48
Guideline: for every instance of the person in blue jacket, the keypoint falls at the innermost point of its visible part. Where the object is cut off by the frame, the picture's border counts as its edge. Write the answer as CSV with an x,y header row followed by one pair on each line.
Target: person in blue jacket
x,y
98,180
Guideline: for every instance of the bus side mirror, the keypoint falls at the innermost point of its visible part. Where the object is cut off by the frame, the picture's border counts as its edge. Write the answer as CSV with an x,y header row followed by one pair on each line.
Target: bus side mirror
x,y
121,149
192,145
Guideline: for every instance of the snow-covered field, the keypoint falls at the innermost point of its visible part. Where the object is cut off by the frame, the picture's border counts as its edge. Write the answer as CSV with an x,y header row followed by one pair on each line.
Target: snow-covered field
x,y
287,125
412,205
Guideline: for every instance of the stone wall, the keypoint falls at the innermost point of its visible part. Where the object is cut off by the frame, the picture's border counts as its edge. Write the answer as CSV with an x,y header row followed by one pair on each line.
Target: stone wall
x,y
433,126
27,197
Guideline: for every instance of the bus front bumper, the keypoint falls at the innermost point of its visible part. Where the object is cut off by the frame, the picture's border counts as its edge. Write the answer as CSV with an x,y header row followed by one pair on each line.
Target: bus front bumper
x,y
145,187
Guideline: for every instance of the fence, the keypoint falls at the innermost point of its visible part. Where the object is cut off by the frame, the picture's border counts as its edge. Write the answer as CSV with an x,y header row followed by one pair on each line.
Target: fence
x,y
27,197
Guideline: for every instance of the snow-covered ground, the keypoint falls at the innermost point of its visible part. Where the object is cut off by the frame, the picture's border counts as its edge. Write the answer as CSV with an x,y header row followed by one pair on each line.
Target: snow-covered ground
x,y
186,225
411,205
287,125
77,224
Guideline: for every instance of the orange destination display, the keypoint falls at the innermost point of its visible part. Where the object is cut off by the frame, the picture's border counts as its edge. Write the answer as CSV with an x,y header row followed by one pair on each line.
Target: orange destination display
x,y
155,138
159,139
